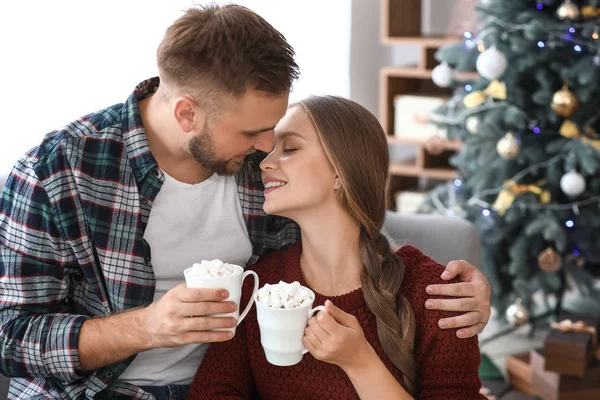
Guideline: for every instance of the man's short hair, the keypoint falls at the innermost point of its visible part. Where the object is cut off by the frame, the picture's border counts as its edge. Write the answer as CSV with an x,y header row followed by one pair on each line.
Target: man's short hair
x,y
227,50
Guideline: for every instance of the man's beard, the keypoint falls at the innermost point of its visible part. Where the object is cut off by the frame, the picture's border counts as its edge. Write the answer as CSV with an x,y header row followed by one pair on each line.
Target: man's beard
x,y
202,148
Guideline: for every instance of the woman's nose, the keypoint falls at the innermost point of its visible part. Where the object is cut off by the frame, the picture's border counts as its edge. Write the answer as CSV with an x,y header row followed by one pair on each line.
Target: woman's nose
x,y
268,163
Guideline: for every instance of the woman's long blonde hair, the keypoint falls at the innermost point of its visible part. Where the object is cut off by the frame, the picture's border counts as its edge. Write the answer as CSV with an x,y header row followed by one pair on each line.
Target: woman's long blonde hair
x,y
356,146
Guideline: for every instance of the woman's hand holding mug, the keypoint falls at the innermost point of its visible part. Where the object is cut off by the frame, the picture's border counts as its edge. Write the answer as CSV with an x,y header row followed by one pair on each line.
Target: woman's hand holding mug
x,y
336,337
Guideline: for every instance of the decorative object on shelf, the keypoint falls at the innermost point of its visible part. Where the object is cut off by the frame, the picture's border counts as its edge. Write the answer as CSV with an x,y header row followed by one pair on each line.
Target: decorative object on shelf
x,y
517,314
565,103
508,146
549,385
549,260
495,90
572,184
442,75
408,202
571,344
491,64
411,116
435,145
568,11
510,191
448,17
472,124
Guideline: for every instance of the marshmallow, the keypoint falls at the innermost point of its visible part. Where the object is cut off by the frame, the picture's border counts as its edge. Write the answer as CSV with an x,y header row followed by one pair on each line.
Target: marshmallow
x,y
211,269
284,295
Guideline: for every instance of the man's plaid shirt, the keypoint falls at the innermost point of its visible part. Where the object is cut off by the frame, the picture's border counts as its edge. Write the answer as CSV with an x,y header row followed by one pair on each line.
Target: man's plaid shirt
x,y
72,220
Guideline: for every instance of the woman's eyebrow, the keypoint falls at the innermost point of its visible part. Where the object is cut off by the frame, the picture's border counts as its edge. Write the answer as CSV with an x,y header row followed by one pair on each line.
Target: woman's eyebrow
x,y
287,134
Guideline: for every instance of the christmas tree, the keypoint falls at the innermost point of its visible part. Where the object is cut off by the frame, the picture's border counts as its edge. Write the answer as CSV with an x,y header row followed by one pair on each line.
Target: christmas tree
x,y
529,168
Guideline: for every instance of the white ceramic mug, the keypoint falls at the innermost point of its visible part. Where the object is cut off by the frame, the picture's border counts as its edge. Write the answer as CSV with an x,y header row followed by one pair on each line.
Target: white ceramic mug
x,y
233,284
282,329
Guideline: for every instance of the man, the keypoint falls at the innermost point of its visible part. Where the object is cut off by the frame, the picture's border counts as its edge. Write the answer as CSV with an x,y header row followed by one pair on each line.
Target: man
x,y
98,222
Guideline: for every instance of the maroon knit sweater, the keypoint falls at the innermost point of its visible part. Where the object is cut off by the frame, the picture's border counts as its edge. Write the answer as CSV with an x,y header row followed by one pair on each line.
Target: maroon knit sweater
x,y
447,367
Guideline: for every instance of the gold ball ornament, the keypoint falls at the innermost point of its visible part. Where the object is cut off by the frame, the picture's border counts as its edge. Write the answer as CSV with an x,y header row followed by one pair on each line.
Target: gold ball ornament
x,y
565,103
549,260
568,11
508,147
517,314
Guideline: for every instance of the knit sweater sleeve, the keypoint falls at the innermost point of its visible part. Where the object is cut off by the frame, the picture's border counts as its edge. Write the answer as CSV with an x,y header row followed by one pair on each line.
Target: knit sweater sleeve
x,y
225,372
448,367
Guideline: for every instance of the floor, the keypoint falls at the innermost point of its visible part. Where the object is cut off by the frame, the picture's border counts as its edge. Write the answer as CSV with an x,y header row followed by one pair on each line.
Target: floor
x,y
517,341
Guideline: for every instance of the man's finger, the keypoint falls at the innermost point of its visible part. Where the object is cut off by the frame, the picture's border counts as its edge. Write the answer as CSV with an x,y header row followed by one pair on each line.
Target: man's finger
x,y
195,295
463,304
204,308
206,337
470,331
461,321
461,289
458,268
208,323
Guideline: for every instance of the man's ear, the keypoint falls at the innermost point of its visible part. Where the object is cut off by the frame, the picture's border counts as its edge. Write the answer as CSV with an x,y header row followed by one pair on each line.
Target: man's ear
x,y
190,116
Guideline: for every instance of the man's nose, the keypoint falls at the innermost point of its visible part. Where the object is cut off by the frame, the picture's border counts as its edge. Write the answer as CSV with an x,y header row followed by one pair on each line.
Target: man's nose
x,y
265,141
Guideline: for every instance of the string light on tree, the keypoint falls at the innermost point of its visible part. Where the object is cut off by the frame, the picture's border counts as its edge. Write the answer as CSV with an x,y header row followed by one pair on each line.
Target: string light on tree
x,y
442,75
508,147
572,183
568,11
491,64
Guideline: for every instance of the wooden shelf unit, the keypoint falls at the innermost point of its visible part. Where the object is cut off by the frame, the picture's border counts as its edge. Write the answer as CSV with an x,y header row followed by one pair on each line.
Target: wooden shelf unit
x,y
401,25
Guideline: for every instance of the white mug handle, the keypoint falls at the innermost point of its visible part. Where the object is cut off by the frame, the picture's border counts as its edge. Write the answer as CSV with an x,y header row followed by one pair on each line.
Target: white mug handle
x,y
310,315
251,301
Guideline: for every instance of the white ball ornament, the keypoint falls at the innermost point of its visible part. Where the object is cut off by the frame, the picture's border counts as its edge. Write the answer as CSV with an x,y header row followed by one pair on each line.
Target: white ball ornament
x,y
572,184
491,64
472,124
442,75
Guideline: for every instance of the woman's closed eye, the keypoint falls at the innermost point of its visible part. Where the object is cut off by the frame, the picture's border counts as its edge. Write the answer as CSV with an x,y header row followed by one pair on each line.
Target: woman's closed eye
x,y
289,150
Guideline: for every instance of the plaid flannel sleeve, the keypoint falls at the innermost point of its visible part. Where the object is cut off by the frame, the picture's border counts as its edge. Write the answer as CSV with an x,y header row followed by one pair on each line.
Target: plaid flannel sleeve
x,y
37,336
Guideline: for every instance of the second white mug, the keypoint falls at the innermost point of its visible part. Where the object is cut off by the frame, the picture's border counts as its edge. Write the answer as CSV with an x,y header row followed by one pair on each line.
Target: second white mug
x,y
282,329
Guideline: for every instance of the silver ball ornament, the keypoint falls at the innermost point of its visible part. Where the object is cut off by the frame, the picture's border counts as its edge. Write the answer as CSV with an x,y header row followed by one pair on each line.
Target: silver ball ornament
x,y
568,11
517,314
508,147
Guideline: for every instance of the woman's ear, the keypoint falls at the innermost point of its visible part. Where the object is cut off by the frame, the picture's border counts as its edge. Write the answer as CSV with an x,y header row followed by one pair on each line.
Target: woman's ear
x,y
189,115
336,183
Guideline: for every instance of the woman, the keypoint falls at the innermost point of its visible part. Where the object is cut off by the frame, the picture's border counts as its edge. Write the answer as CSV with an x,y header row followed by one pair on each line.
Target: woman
x,y
328,172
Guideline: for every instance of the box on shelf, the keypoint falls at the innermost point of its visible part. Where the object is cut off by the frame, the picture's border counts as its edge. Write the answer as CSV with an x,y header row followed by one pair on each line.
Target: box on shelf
x,y
411,116
571,344
550,385
408,202
518,368
447,17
